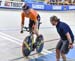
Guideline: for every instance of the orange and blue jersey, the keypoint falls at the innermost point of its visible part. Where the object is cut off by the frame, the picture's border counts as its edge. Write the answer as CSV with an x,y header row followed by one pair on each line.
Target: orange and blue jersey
x,y
32,15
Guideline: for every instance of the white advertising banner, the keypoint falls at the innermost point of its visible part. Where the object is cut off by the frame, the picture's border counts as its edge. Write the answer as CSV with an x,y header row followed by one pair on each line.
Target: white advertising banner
x,y
12,4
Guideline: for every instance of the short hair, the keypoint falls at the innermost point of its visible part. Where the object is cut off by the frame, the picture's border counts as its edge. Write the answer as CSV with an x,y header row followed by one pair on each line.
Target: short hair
x,y
54,18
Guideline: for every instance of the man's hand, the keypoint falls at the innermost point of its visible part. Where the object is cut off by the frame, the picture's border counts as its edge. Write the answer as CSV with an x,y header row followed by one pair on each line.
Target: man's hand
x,y
70,45
70,40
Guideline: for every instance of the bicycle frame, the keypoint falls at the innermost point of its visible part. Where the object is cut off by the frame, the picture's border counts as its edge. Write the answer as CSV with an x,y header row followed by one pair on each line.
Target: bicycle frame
x,y
31,35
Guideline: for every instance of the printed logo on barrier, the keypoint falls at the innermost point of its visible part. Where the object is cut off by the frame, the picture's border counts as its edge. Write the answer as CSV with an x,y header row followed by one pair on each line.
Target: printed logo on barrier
x,y
65,8
71,7
37,6
57,7
16,4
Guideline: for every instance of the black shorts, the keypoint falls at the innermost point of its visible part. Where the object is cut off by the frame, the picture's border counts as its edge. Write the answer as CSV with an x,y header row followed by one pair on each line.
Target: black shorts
x,y
63,46
31,22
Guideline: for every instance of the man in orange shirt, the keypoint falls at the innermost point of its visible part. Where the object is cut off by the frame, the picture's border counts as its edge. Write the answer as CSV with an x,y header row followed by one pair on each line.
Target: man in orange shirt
x,y
34,18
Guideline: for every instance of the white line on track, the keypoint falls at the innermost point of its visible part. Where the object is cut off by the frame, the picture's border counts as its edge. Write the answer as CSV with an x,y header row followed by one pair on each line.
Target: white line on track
x,y
9,39
8,36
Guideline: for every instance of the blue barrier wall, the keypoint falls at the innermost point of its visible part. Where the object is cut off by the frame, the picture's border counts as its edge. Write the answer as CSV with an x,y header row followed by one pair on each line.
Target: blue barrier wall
x,y
41,6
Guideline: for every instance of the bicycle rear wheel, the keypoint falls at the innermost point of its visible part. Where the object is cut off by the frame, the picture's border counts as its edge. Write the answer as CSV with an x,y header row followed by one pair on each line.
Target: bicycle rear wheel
x,y
25,50
39,43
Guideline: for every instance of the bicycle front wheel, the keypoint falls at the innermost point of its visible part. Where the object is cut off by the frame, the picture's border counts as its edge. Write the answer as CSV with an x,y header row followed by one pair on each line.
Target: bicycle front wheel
x,y
26,52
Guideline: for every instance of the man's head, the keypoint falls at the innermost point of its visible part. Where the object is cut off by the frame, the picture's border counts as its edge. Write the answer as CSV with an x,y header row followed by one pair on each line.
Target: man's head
x,y
25,7
54,20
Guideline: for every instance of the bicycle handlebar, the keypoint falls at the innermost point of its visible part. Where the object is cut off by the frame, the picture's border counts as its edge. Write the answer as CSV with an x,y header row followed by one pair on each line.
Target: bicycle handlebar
x,y
26,29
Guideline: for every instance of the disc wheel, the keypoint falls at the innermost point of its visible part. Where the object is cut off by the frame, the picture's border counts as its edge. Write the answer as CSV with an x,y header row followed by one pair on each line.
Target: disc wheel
x,y
26,52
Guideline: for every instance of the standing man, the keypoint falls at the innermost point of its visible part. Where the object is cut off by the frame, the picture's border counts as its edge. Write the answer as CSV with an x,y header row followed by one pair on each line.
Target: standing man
x,y
66,35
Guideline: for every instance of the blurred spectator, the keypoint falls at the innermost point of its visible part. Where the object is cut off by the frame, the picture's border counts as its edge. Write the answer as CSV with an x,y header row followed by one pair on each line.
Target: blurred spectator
x,y
50,1
7,3
54,1
67,2
74,1
59,1
47,1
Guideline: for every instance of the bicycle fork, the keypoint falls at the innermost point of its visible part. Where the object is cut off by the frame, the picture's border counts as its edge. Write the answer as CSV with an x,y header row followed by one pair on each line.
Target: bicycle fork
x,y
33,39
27,45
